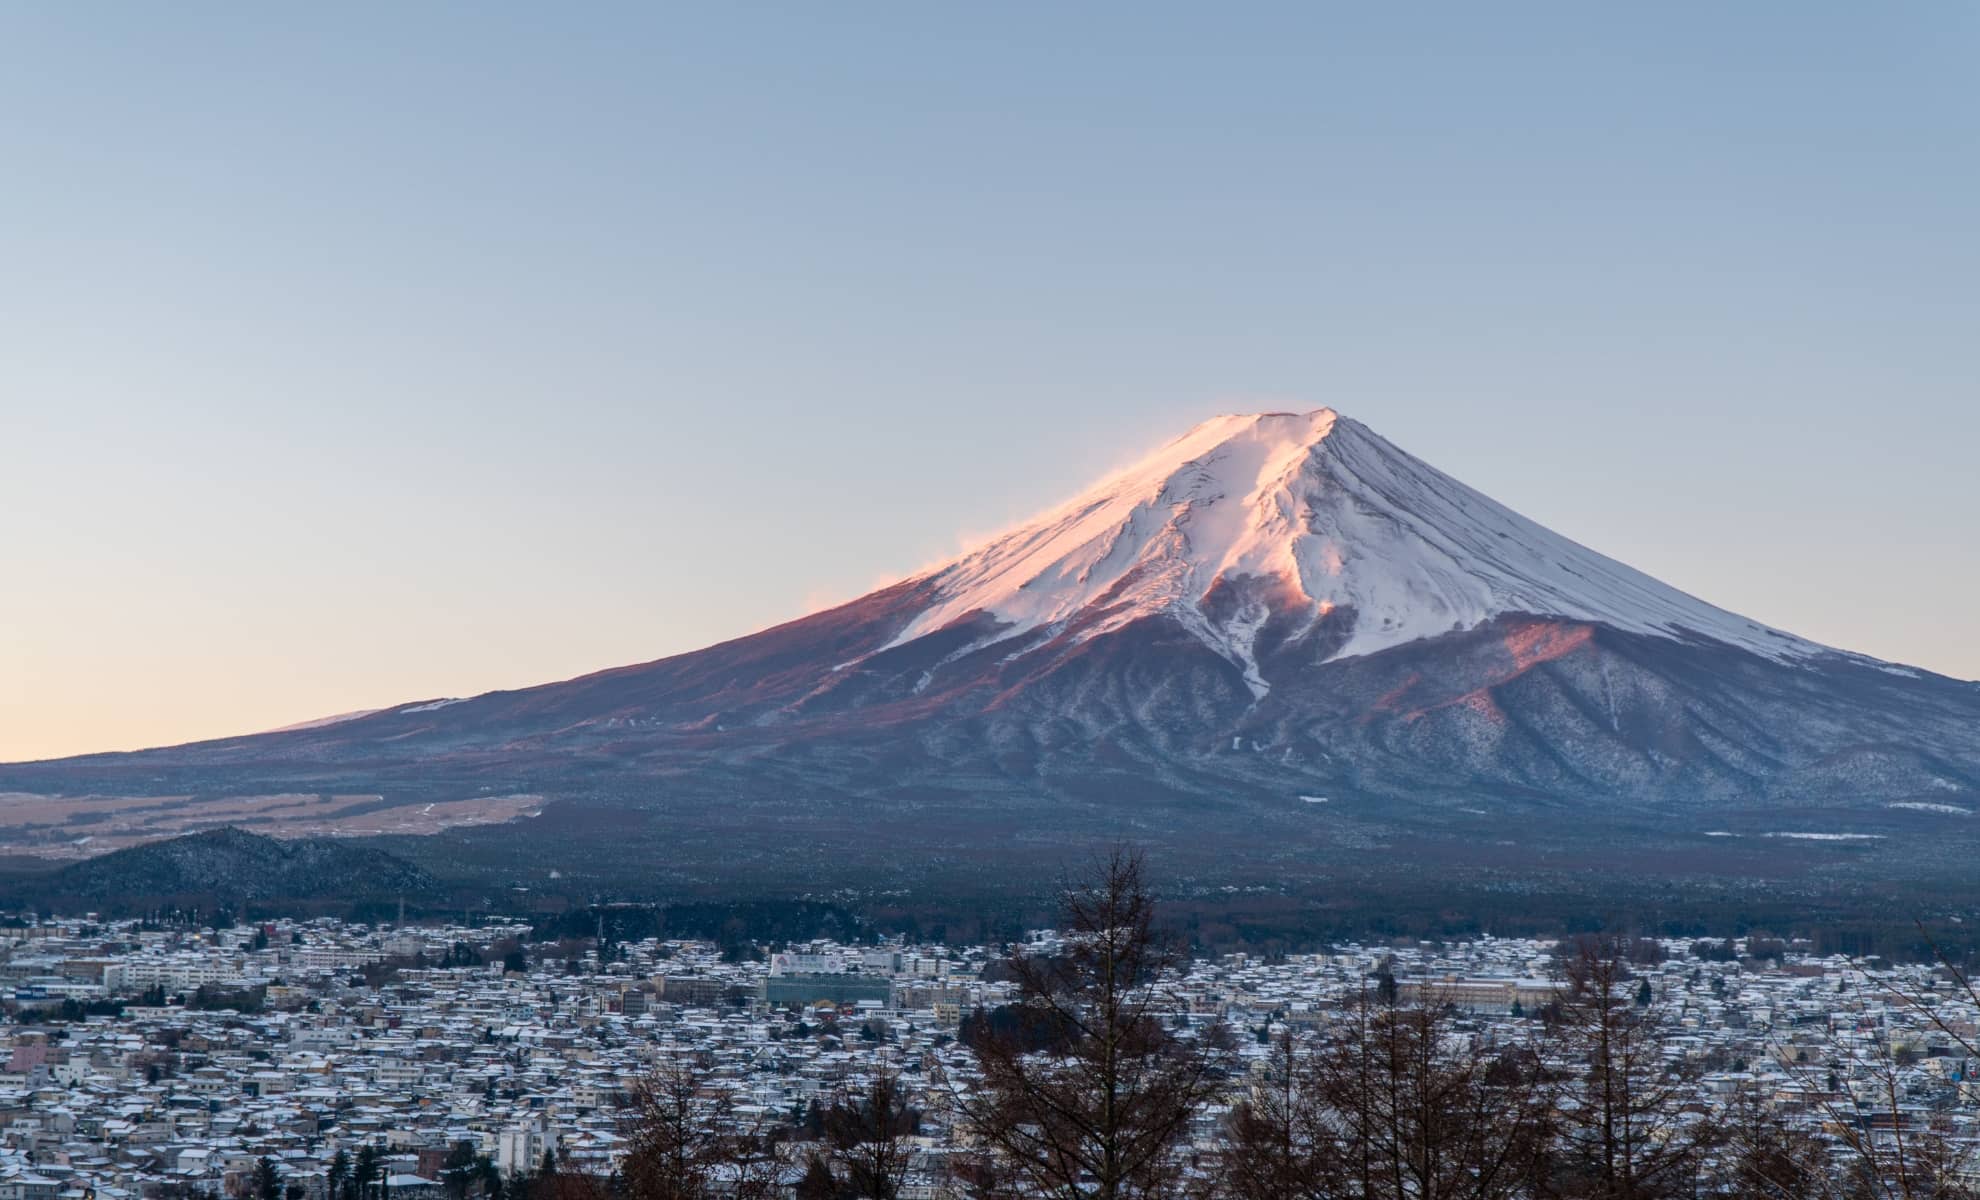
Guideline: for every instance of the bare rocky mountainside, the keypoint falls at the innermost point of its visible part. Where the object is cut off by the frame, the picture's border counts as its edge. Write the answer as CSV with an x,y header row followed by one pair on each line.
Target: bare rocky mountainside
x,y
1279,646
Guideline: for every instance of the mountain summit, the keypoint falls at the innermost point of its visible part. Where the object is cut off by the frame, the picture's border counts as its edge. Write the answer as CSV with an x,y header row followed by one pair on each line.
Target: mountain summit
x,y
1275,642
1301,526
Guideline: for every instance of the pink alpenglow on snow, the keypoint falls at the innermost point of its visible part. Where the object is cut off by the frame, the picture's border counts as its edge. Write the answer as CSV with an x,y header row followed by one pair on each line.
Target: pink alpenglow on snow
x,y
1311,512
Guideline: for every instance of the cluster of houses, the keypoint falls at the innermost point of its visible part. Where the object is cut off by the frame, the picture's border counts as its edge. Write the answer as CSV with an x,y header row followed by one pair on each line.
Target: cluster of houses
x,y
178,1061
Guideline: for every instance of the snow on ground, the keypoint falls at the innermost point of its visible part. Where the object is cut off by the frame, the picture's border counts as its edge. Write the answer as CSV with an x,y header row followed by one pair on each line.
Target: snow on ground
x,y
1829,837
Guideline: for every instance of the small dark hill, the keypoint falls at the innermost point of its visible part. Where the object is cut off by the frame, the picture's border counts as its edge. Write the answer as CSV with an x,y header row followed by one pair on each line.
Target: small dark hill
x,y
232,866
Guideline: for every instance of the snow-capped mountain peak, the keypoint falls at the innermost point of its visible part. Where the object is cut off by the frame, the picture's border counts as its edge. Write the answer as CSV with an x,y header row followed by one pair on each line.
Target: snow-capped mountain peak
x,y
1440,670
1306,516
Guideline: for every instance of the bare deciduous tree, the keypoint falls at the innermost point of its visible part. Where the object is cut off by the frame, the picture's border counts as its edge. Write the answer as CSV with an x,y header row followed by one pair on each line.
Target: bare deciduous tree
x,y
685,1142
1625,1134
1098,1111
1767,1159
1432,1114
1282,1142
1391,1103
1888,1149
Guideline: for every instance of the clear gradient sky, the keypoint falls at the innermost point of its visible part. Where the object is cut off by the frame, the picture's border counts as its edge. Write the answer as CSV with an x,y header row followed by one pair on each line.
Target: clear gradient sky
x,y
355,354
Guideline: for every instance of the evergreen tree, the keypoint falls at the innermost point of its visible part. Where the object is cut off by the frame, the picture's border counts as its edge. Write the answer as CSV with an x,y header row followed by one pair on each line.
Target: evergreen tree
x,y
364,1177
459,1170
267,1182
338,1173
818,1182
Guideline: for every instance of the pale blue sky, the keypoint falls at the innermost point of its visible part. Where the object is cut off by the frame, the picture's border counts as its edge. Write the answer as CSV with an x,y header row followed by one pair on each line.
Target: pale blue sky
x,y
352,354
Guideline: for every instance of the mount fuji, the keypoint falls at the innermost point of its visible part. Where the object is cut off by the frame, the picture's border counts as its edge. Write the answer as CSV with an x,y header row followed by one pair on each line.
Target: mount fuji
x,y
1311,520
1277,639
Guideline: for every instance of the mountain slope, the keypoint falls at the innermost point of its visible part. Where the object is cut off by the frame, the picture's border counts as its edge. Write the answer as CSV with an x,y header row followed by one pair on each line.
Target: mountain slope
x,y
1278,635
